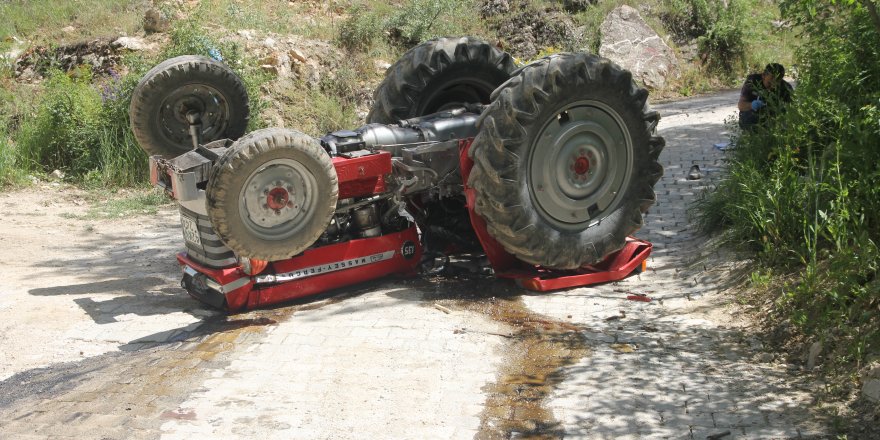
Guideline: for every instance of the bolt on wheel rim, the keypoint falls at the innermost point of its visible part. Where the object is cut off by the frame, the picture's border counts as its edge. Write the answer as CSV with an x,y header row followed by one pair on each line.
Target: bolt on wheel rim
x,y
580,165
204,99
277,199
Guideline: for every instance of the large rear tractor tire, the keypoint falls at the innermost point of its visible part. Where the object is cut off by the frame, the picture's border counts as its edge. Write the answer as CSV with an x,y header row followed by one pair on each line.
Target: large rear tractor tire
x,y
272,194
438,75
168,92
565,161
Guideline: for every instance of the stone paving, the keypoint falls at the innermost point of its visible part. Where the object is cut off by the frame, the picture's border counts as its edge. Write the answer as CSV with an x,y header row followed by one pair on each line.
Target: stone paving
x,y
667,368
385,360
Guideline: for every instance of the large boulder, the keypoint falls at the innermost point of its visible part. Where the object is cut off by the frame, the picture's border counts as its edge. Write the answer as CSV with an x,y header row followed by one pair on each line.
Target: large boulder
x,y
630,42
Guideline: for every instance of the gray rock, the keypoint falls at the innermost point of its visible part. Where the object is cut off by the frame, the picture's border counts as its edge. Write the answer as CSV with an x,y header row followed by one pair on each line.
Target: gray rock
x,y
813,354
766,357
871,390
628,41
155,22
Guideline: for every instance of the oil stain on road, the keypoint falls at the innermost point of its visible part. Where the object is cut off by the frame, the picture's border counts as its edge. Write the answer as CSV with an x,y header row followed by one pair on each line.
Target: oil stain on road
x,y
540,349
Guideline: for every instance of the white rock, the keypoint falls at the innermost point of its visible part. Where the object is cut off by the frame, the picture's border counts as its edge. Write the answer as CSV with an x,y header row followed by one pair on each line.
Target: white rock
x,y
296,54
628,41
813,355
132,43
382,65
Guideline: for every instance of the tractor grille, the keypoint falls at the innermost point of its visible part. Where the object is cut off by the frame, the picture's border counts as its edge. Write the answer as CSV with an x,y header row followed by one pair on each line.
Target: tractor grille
x,y
208,249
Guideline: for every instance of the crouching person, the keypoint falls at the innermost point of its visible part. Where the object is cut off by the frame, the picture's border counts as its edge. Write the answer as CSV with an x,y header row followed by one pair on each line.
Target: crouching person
x,y
763,96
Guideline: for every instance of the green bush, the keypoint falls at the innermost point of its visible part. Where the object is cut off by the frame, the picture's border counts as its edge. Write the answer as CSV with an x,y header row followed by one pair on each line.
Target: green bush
x,y
82,130
362,27
412,22
718,26
81,124
804,190
723,46
688,19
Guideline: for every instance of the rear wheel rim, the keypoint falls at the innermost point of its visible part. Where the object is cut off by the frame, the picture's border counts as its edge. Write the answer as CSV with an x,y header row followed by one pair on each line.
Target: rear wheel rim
x,y
580,165
211,105
278,199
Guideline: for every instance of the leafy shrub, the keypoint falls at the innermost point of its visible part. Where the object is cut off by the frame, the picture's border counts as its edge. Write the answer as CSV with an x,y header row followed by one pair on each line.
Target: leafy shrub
x,y
412,22
65,131
718,26
688,19
804,191
83,130
361,28
723,46
81,124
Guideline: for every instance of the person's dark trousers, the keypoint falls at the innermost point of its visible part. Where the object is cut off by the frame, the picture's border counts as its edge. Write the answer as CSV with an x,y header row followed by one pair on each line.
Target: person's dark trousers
x,y
747,119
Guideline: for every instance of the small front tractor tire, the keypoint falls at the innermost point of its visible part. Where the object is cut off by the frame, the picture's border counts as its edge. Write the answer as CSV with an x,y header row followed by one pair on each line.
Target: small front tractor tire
x,y
272,194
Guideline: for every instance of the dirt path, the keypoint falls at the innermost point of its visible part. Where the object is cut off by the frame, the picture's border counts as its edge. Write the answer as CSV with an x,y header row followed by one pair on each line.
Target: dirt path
x,y
99,341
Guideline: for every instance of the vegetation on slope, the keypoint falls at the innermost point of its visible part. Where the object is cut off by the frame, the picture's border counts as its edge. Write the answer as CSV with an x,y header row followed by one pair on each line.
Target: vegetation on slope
x,y
76,120
804,191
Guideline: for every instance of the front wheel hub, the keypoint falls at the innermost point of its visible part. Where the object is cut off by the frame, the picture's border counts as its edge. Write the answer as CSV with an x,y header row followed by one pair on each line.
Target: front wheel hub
x,y
276,199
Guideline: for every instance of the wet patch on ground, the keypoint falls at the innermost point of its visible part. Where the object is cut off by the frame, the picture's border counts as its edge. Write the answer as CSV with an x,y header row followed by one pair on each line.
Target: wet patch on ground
x,y
539,350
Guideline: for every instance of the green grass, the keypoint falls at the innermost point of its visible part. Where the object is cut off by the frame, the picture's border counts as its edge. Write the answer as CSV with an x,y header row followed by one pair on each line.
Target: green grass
x,y
316,20
111,205
370,23
43,21
803,192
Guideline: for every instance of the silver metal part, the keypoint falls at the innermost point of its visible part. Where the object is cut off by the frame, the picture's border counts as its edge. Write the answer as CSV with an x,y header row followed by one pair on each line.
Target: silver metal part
x,y
426,166
214,285
580,164
182,175
366,219
324,268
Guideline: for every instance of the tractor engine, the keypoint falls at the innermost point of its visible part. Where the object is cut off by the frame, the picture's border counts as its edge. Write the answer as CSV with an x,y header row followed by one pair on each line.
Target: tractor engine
x,y
392,175
421,181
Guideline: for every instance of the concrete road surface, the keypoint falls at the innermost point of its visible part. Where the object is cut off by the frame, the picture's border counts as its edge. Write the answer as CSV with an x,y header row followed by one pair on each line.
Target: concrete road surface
x,y
99,341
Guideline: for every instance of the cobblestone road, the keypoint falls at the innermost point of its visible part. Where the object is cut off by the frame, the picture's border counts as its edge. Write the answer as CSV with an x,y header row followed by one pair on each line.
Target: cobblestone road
x,y
127,355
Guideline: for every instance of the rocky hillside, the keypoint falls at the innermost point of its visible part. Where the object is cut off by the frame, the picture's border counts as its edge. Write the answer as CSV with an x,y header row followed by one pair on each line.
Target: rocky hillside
x,y
313,65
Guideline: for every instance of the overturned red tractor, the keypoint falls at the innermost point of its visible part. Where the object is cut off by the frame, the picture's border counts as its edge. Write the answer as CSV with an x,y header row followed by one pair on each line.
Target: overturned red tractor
x,y
545,169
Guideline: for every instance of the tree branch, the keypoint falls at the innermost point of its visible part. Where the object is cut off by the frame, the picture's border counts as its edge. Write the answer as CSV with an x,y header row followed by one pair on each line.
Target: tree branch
x,y
872,11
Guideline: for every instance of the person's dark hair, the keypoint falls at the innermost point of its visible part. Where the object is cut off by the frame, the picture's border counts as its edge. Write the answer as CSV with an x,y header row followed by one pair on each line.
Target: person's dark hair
x,y
775,69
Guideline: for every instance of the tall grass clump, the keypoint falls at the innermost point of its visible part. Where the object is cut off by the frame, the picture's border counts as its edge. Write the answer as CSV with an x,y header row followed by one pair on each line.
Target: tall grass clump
x,y
804,190
81,125
11,172
717,26
408,24
81,129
